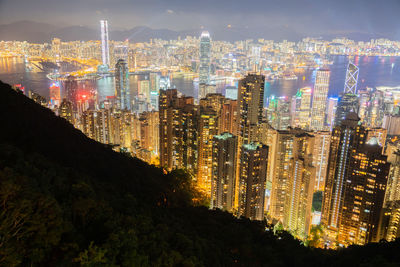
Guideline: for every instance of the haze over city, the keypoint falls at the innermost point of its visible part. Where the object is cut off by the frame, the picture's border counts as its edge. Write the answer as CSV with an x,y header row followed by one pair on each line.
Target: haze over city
x,y
288,19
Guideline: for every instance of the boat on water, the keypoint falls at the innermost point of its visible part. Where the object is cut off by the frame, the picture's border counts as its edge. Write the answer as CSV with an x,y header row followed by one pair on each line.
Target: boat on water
x,y
290,77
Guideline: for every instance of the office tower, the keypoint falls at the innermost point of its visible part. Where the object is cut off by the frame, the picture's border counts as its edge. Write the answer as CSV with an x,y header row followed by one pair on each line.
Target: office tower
x,y
376,113
154,90
252,179
205,58
295,110
305,108
71,90
355,186
320,94
364,196
178,131
350,85
331,111
208,128
292,180
228,117
347,103
364,105
223,171
105,51
348,100
320,158
122,85
66,111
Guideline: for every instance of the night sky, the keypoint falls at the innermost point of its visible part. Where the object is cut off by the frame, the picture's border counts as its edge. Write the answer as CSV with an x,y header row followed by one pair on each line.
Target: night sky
x,y
302,16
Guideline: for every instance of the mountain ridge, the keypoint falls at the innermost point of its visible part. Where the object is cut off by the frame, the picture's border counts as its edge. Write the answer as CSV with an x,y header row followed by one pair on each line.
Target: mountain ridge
x,y
43,32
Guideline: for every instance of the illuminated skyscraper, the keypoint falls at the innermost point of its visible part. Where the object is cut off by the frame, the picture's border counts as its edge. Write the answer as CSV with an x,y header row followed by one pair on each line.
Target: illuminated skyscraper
x,y
293,178
105,50
178,131
305,108
347,103
320,94
355,185
301,184
228,117
122,85
320,158
208,128
250,107
55,94
393,186
250,112
223,171
331,111
279,113
252,180
71,90
149,131
350,85
205,62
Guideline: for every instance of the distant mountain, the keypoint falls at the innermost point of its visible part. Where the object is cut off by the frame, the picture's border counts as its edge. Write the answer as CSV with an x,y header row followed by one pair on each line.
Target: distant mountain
x,y
42,32
26,31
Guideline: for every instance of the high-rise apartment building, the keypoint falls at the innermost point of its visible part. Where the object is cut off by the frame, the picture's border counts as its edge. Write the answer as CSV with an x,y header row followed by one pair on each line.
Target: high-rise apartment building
x,y
250,114
223,171
66,111
320,158
320,95
178,131
293,179
252,178
208,128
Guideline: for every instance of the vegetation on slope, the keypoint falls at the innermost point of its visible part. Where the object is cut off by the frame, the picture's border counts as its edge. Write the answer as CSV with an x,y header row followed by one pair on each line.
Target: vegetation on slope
x,y
67,200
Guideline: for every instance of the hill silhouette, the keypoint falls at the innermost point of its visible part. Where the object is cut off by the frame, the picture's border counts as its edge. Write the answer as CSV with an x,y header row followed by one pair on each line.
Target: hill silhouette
x,y
67,200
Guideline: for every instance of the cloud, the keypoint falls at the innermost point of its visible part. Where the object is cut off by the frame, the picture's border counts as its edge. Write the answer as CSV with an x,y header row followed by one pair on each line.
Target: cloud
x,y
169,11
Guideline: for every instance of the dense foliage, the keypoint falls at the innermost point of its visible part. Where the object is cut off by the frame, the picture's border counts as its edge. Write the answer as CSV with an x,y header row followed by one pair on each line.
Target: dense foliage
x,y
68,200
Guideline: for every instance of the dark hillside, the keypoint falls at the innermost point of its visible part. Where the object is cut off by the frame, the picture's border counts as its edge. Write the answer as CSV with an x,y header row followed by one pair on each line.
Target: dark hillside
x,y
67,200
